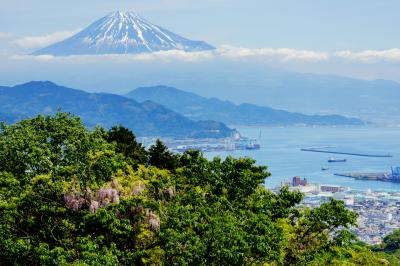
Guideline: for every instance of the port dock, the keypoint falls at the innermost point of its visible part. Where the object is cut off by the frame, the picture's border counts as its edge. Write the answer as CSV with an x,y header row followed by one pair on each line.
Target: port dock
x,y
347,153
381,176
393,176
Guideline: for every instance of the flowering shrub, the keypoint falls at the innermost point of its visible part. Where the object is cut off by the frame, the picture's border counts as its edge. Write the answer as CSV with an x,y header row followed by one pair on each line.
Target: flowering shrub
x,y
74,201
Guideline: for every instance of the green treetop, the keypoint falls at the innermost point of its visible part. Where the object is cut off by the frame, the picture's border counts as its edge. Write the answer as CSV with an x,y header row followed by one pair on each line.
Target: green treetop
x,y
73,196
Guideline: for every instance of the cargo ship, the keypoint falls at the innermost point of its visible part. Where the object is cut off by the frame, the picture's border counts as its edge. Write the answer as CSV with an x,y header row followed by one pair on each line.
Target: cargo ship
x,y
333,160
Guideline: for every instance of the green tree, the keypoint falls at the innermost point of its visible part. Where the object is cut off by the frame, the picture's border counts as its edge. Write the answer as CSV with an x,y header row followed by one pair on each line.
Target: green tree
x,y
73,196
391,242
161,157
126,144
54,174
318,230
223,215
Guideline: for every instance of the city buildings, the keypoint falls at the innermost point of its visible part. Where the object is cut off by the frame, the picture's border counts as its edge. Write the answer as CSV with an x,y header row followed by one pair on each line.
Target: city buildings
x,y
378,211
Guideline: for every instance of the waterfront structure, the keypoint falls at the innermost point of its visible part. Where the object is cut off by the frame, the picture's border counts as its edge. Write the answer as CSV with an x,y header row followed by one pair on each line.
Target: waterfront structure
x,y
396,174
330,188
346,153
297,181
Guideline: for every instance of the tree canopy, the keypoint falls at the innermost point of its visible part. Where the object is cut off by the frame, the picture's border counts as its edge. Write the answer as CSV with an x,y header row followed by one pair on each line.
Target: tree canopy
x,y
69,195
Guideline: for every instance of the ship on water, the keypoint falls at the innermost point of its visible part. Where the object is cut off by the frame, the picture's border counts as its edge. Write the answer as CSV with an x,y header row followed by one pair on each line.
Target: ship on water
x,y
252,145
334,160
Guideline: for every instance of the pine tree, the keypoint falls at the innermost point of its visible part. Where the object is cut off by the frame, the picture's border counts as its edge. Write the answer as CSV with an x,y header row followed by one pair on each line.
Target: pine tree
x,y
161,157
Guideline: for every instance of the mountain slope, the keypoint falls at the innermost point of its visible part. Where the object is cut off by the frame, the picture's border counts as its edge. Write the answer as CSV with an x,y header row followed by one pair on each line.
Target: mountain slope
x,y
122,33
145,119
371,100
196,107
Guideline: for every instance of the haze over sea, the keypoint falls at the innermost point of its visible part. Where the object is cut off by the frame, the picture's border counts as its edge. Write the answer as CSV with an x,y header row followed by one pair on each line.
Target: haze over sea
x,y
280,151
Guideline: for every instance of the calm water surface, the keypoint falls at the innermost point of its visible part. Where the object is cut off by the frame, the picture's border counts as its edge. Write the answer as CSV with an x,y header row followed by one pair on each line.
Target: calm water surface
x,y
280,151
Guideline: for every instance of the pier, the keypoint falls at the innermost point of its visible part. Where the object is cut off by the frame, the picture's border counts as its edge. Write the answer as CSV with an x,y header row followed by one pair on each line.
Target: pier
x,y
348,153
381,176
394,176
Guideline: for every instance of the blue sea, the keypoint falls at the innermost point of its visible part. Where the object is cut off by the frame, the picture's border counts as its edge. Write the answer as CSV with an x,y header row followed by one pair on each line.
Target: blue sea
x,y
280,151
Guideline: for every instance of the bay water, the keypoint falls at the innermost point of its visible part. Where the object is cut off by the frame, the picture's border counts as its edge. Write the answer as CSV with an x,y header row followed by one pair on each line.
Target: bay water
x,y
280,151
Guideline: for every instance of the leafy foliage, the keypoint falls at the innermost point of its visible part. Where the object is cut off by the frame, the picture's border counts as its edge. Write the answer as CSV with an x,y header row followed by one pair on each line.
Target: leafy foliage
x,y
391,242
126,144
73,196
161,157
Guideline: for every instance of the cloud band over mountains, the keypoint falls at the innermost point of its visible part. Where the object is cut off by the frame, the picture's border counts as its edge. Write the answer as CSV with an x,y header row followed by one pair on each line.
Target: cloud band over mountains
x,y
281,55
33,42
371,56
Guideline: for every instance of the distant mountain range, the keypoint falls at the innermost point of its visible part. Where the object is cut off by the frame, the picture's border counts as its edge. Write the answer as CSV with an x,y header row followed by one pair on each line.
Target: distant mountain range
x,y
145,119
197,107
122,33
372,100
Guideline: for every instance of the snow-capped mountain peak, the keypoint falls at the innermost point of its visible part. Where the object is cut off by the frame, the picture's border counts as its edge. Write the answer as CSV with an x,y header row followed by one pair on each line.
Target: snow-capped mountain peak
x,y
123,33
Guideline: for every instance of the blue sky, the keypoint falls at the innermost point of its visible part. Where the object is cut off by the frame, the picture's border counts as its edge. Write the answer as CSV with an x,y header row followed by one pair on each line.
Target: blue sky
x,y
357,38
302,24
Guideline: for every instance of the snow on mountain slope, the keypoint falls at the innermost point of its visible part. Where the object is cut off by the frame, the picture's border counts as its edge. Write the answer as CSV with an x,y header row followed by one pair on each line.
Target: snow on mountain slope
x,y
122,33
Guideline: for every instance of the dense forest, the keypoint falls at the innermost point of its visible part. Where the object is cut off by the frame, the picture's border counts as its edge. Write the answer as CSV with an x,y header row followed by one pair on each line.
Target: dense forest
x,y
73,196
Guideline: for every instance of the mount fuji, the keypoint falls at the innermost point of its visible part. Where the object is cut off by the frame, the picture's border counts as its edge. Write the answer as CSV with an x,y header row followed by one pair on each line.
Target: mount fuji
x,y
122,33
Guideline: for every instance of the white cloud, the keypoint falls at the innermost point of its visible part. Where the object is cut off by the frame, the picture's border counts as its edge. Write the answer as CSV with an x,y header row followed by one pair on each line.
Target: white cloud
x,y
225,52
31,42
280,54
175,55
124,58
371,56
6,35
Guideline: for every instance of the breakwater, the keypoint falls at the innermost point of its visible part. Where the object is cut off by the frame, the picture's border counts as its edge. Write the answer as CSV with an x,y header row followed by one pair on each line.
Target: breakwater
x,y
347,153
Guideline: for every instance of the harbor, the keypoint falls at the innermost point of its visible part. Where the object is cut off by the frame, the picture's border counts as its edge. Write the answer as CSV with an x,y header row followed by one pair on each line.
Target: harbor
x,y
235,143
280,151
215,145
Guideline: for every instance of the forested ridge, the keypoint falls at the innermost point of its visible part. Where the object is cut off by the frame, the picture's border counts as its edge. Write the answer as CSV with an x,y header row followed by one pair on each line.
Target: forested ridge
x,y
146,118
73,196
